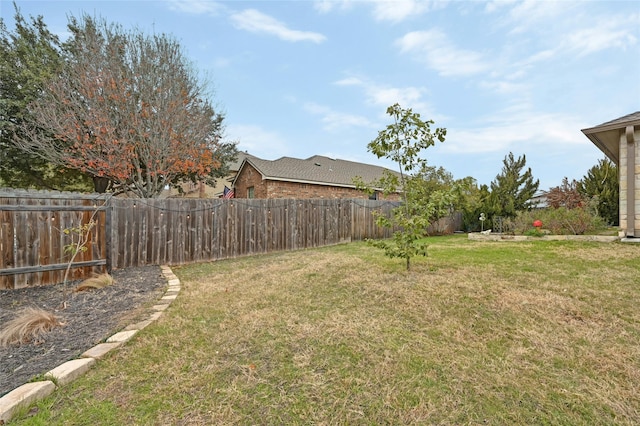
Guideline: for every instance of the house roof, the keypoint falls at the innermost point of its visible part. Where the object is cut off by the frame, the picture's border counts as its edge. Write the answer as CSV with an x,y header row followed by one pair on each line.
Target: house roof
x,y
235,166
317,170
606,136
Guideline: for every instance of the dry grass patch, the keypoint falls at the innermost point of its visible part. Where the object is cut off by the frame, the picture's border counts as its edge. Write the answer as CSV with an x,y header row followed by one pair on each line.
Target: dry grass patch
x,y
95,282
30,324
618,252
502,333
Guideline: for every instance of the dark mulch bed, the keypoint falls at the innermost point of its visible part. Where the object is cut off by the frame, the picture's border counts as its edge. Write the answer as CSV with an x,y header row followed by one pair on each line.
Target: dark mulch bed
x,y
89,318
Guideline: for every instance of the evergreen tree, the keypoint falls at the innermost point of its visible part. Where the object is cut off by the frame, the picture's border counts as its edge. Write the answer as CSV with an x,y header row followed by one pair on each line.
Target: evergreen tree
x,y
30,55
601,185
513,188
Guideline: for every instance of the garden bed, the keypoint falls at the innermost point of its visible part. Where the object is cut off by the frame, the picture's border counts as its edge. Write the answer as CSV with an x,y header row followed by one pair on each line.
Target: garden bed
x,y
89,318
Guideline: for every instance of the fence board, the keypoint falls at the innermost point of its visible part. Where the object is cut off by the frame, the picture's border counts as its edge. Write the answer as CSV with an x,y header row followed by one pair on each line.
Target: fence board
x,y
6,243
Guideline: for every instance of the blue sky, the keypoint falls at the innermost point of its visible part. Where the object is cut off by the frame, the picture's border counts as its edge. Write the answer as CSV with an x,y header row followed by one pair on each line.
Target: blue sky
x,y
300,78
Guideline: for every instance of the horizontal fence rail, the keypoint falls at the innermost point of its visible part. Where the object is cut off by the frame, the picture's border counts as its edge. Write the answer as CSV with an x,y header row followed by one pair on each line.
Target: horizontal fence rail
x,y
137,232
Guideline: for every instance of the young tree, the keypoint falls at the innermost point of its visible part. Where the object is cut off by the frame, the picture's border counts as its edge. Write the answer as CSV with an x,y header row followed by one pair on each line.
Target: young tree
x,y
29,56
601,185
402,142
512,189
128,110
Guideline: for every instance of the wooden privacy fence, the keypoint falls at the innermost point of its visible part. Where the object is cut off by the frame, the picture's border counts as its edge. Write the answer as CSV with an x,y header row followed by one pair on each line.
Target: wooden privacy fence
x,y
137,232
176,231
33,241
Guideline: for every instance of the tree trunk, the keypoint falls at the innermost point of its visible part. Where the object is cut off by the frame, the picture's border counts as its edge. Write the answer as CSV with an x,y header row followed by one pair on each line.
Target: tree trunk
x,y
100,184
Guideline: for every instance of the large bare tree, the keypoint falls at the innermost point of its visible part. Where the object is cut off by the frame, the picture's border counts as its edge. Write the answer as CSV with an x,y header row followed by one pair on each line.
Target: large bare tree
x,y
129,110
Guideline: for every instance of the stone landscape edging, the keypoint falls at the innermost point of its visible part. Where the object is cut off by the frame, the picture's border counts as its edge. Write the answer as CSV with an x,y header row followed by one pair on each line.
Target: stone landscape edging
x,y
27,394
476,236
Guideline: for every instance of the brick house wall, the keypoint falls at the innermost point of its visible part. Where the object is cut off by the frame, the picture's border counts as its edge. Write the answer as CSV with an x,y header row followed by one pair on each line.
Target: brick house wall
x,y
250,177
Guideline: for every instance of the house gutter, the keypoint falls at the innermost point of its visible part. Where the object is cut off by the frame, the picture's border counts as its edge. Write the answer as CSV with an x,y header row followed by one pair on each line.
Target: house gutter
x,y
631,179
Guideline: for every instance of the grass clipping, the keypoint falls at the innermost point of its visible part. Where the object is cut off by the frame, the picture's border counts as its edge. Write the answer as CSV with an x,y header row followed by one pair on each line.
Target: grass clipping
x,y
30,324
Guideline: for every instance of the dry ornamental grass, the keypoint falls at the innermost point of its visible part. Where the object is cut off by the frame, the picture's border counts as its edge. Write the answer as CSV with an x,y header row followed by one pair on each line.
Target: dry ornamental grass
x,y
95,282
29,325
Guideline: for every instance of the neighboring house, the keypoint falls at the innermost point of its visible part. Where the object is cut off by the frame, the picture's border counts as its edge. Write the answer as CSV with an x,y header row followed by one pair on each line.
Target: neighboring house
x,y
200,190
619,139
314,177
539,200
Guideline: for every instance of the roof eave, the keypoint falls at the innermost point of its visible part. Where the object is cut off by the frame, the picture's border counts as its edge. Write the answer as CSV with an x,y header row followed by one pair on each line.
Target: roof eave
x,y
607,137
611,149
310,182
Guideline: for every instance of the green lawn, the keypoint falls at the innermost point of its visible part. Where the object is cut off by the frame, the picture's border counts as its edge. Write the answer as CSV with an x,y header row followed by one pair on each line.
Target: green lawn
x,y
477,333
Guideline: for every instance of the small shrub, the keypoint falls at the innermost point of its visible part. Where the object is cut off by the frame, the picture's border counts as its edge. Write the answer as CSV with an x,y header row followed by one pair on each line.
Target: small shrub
x,y
533,232
95,282
578,221
30,324
520,224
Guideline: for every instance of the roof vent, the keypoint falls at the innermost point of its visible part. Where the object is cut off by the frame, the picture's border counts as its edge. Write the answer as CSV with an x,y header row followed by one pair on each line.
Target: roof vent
x,y
317,164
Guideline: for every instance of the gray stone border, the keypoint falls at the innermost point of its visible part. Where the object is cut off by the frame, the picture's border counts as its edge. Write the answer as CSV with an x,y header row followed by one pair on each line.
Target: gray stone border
x,y
29,393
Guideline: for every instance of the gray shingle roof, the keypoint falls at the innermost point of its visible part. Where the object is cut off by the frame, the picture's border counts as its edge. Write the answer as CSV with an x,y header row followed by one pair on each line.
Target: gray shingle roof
x,y
316,170
634,116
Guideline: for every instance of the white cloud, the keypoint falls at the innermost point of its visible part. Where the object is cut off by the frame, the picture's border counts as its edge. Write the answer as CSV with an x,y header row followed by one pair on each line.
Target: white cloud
x,y
610,33
581,32
326,6
537,15
435,49
399,10
517,130
383,10
257,141
334,120
350,81
196,7
257,22
407,97
494,5
383,96
606,34
379,95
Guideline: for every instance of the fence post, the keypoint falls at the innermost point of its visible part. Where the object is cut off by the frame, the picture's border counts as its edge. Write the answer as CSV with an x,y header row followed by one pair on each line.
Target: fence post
x,y
107,233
